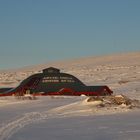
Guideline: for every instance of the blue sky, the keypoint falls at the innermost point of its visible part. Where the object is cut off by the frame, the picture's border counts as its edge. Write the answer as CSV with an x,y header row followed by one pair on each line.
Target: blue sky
x,y
37,31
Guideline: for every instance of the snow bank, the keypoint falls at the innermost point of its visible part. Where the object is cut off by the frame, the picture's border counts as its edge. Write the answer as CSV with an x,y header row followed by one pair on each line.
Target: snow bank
x,y
117,119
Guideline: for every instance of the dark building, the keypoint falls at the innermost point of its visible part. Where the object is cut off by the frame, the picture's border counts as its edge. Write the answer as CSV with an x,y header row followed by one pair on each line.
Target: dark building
x,y
52,82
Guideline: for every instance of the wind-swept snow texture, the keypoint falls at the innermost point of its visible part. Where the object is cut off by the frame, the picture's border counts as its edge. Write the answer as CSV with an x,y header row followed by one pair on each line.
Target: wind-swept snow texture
x,y
61,118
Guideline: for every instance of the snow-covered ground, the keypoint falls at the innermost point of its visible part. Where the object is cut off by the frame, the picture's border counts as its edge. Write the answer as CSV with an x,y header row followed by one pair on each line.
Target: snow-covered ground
x,y
61,118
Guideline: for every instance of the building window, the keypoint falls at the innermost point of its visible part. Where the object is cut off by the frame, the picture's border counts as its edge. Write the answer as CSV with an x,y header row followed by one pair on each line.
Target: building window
x,y
54,79
67,81
50,81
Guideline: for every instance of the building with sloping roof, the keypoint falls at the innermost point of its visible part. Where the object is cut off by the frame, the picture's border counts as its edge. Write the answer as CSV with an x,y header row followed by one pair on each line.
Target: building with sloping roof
x,y
52,82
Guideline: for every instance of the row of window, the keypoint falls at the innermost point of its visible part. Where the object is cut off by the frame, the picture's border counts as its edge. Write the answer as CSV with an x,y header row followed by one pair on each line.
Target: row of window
x,y
57,81
57,78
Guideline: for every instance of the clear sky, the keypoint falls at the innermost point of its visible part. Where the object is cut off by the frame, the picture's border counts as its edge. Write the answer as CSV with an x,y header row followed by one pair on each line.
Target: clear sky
x,y
37,31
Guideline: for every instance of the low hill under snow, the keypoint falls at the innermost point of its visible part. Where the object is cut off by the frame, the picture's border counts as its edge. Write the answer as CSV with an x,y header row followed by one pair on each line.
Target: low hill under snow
x,y
68,118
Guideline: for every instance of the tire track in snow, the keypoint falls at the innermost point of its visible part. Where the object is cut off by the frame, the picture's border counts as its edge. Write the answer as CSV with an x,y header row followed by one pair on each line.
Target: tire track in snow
x,y
9,129
62,111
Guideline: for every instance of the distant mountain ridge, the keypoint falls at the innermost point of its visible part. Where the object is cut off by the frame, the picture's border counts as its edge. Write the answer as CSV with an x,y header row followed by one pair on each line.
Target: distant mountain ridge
x,y
108,69
117,58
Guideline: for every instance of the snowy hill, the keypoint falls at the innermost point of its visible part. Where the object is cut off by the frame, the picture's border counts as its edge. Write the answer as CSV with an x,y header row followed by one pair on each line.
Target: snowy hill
x,y
118,71
60,118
